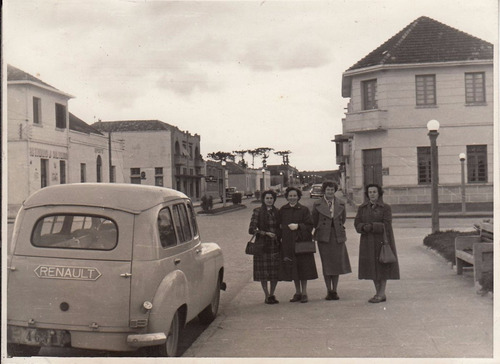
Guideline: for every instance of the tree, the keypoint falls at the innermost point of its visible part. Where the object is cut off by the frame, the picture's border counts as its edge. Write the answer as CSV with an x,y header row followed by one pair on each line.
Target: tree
x,y
284,154
241,154
253,153
221,156
264,154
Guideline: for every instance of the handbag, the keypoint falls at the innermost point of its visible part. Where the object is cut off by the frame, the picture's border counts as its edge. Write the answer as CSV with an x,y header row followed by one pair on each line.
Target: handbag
x,y
305,247
253,248
386,254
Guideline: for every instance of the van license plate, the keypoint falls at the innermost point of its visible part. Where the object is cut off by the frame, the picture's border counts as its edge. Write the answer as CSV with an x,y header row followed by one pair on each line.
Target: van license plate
x,y
42,337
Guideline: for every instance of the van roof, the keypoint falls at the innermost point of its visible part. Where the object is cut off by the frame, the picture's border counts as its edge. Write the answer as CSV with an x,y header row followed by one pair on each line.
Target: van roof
x,y
119,196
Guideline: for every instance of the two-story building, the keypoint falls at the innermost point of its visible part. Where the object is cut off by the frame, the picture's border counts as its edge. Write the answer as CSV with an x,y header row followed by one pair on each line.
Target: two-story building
x,y
427,71
158,154
46,144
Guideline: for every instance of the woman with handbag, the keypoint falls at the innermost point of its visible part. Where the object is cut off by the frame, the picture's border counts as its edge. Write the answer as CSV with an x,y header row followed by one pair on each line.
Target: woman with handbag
x,y
264,225
329,216
296,226
374,222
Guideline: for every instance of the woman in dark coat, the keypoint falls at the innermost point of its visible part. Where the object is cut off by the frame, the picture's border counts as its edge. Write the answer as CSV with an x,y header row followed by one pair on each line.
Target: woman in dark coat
x,y
372,218
296,225
265,225
329,216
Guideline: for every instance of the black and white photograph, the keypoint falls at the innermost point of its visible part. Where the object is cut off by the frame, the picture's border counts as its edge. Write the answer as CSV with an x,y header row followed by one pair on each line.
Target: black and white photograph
x,y
221,181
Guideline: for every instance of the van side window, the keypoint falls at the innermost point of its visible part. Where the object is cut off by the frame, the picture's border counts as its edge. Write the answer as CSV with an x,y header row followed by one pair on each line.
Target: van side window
x,y
67,231
182,223
192,219
166,229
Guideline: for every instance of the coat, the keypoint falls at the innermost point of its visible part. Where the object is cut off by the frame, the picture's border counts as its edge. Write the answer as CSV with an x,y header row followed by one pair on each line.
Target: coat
x,y
380,218
323,221
296,267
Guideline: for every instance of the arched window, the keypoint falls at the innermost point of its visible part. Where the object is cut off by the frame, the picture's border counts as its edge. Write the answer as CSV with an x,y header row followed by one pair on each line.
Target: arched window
x,y
99,168
177,148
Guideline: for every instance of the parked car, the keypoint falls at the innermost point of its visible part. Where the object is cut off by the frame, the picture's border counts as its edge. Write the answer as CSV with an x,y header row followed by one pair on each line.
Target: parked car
x,y
316,191
110,267
229,193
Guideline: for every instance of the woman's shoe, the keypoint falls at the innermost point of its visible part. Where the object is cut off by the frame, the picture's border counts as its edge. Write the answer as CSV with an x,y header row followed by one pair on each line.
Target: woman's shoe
x,y
377,299
329,296
334,296
304,298
273,299
296,297
268,300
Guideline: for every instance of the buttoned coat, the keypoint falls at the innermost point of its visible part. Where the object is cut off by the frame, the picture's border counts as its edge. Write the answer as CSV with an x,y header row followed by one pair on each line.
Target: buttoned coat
x,y
323,221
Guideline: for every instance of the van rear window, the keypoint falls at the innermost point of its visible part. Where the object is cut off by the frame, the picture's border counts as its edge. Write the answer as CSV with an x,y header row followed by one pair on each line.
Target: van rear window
x,y
88,232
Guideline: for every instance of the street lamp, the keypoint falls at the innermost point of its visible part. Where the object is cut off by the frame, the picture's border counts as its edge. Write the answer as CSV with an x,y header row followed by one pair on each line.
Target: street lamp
x,y
263,179
461,156
433,127
223,163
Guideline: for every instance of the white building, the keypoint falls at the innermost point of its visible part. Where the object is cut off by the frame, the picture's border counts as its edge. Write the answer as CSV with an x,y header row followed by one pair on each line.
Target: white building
x,y
47,145
426,71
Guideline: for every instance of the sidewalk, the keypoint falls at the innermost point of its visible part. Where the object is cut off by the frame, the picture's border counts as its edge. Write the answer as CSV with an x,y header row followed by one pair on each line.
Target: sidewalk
x,y
430,313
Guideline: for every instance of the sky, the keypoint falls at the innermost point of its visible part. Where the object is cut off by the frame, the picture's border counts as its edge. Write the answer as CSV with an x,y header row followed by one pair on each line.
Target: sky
x,y
241,74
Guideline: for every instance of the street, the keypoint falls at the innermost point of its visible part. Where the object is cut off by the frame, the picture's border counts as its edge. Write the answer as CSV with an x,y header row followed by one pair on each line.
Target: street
x,y
230,231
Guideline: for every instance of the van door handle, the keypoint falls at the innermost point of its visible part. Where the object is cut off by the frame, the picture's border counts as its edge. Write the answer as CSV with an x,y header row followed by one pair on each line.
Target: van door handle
x,y
177,261
126,275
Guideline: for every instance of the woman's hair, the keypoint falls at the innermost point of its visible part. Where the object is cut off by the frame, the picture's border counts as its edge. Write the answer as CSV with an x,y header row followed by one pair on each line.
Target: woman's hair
x,y
329,184
268,192
288,189
380,191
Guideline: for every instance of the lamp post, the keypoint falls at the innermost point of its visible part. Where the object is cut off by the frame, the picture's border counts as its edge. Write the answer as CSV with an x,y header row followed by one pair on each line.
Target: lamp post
x,y
223,163
263,179
461,156
433,127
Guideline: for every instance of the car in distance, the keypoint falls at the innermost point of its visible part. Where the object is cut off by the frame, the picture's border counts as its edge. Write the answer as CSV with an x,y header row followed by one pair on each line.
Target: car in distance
x,y
316,191
110,267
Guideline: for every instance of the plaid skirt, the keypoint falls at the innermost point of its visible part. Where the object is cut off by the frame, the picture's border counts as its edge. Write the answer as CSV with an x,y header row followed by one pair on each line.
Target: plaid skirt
x,y
266,266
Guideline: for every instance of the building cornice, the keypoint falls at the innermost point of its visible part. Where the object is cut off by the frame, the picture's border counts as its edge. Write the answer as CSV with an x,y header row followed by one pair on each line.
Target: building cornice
x,y
35,84
383,67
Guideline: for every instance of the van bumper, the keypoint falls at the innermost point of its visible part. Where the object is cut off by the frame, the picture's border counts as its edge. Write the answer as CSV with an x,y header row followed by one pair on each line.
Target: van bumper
x,y
140,340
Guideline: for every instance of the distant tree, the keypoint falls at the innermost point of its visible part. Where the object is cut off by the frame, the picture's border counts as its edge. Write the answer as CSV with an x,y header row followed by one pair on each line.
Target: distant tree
x,y
221,156
263,152
253,153
241,154
284,154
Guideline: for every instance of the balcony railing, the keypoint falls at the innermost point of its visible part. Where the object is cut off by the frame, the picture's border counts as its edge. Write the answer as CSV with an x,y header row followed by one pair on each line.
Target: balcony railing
x,y
362,121
199,162
180,159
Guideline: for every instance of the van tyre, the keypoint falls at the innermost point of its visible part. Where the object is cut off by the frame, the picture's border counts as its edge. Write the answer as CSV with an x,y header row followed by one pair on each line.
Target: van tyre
x,y
22,350
171,345
210,312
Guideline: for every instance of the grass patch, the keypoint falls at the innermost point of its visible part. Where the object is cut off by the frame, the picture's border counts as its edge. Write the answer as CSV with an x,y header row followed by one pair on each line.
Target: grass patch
x,y
220,210
444,242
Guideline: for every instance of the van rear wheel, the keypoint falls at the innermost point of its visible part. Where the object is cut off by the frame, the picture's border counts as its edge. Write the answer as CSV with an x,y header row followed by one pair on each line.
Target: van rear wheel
x,y
171,345
210,312
22,350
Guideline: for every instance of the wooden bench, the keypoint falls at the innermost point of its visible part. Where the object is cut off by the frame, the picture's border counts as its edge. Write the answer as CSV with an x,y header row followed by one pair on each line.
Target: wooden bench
x,y
476,251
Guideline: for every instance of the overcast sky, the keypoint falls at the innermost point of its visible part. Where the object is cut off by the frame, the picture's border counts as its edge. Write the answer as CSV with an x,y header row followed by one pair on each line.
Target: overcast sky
x,y
240,74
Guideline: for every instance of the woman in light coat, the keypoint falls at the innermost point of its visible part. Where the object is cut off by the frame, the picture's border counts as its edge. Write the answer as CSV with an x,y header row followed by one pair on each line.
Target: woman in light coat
x,y
329,216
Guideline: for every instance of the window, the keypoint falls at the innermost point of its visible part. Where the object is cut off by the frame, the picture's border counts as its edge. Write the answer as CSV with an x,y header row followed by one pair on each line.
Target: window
x,y
83,172
62,172
425,86
37,110
181,223
60,116
166,228
75,232
44,172
159,176
424,165
477,170
192,219
474,88
135,176
369,89
99,168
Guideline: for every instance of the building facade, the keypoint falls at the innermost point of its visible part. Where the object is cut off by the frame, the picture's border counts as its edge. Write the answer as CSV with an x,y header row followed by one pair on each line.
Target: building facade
x,y
47,145
428,71
158,154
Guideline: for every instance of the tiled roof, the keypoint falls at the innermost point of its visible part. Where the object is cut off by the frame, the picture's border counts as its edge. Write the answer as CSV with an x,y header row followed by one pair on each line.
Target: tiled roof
x,y
15,74
427,40
131,125
234,168
77,124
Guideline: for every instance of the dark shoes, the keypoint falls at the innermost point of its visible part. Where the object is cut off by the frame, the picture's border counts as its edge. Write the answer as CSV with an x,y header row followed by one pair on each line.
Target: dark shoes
x,y
332,295
304,298
296,297
377,299
271,300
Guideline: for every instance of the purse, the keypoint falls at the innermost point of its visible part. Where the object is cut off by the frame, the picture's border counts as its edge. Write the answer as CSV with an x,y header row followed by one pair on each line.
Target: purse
x,y
386,254
305,247
253,248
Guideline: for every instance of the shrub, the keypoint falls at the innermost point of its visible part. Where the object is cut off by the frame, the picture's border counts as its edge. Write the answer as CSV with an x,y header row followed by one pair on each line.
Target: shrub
x,y
444,242
207,203
236,198
257,195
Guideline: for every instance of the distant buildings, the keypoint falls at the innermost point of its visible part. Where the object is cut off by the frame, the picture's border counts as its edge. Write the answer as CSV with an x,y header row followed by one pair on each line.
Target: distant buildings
x,y
426,71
